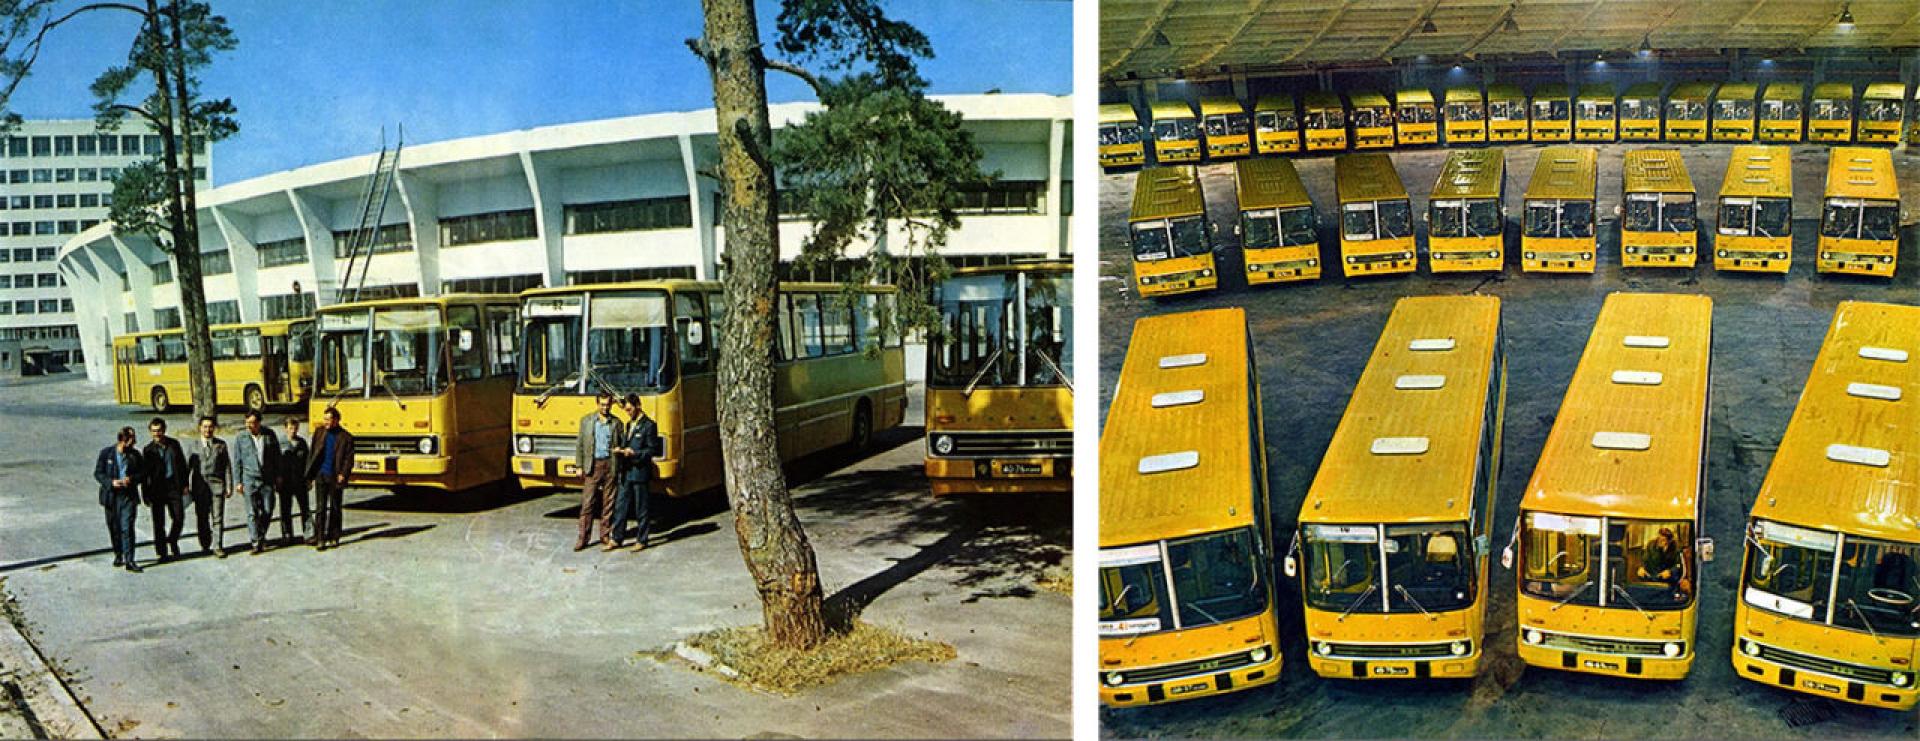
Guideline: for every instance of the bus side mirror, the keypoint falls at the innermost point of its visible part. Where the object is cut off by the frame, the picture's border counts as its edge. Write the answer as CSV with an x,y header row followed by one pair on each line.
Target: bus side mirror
x,y
1706,549
1617,211
1236,230
1506,557
696,335
1290,566
1482,544
463,339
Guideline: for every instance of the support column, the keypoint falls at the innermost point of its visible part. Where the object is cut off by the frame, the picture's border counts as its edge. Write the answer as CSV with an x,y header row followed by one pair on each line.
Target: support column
x,y
549,217
315,226
422,202
703,269
245,259
1056,202
139,284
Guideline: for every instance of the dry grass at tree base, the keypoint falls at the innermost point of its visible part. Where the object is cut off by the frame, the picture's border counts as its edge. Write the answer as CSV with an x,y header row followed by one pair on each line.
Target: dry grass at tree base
x,y
764,666
1057,579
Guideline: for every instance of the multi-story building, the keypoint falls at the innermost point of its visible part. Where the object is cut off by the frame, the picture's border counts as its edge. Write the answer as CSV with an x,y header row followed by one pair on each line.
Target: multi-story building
x,y
58,182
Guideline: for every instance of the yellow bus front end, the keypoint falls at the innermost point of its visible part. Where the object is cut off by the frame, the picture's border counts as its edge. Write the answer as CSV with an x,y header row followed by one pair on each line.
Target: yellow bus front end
x,y
1783,115
1466,116
1415,120
1372,118
1550,116
1326,122
1279,228
1120,137
1755,229
1734,112
1506,114
1860,223
1376,217
1882,118
1276,125
1466,213
1228,128
1167,229
1830,115
1176,133
1557,229
1640,113
1596,116
1686,119
1660,221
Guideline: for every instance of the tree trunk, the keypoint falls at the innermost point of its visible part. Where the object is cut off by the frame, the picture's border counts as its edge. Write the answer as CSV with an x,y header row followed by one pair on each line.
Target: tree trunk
x,y
771,540
181,214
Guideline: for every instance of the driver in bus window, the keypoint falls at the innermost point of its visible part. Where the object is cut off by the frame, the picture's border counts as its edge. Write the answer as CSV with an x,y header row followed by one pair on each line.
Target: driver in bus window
x,y
1660,560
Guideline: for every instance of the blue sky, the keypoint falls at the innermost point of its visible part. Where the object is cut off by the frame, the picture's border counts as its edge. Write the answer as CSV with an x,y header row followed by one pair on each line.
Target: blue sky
x,y
315,81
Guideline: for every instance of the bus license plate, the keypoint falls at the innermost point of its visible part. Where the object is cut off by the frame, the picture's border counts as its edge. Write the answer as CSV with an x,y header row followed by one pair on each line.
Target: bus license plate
x,y
569,470
1819,686
366,466
1391,671
1189,687
1022,469
1608,666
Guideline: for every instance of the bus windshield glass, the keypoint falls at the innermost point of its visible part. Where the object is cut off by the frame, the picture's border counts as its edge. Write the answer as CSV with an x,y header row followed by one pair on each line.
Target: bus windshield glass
x,y
1686,110
1231,124
1465,112
300,342
1428,568
1649,563
1853,219
1550,110
1215,579
1446,218
342,365
406,352
1167,238
1880,110
1740,109
1874,584
1177,129
1112,134
1484,219
629,342
1638,109
979,315
1277,228
1562,556
1269,122
552,337
1325,118
1832,110
1416,114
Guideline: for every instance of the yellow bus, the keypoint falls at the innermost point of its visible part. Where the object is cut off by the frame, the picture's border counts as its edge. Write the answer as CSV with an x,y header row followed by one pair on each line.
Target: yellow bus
x,y
1687,112
1395,586
1172,246
1376,217
1276,124
1913,132
1186,579
1860,224
425,384
1556,234
1596,118
1415,120
1755,229
255,365
836,378
999,402
1881,117
1830,116
1640,112
1372,118
1608,558
1783,115
1176,133
1660,222
1506,114
1832,572
1279,229
1120,144
1326,122
1550,115
1227,126
1466,116
1733,112
1467,213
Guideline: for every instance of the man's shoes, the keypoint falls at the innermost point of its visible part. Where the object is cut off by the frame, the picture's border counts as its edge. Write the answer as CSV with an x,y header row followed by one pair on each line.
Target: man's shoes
x,y
219,553
611,546
639,546
119,562
257,550
578,547
134,567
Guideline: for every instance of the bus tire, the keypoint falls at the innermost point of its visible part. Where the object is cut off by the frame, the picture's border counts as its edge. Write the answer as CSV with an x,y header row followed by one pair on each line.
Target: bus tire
x,y
158,399
255,399
862,426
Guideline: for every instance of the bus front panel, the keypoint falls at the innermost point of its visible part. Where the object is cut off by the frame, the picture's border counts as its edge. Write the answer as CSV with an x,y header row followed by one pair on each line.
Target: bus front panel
x,y
1414,124
1121,145
1280,245
1859,237
1659,230
999,440
1623,604
1557,237
1376,238
1754,235
1465,235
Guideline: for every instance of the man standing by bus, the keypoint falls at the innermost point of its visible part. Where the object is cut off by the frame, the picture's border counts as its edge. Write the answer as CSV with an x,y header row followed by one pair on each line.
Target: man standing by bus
x,y
637,450
117,468
166,488
600,434
327,468
290,483
207,471
257,461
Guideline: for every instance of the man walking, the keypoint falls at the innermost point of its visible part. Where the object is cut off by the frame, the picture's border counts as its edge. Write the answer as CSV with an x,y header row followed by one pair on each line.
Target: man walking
x,y
207,474
257,461
637,451
291,483
327,468
166,488
117,468
600,433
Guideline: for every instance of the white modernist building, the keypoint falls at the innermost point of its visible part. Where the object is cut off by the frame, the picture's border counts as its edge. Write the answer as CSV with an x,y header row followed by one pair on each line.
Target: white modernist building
x,y
599,201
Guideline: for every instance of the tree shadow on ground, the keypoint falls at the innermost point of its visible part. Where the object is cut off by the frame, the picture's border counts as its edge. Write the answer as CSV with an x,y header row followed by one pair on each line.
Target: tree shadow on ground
x,y
190,544
497,495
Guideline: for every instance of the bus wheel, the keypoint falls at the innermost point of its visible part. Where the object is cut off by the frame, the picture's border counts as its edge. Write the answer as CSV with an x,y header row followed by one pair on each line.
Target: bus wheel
x,y
159,400
862,426
256,399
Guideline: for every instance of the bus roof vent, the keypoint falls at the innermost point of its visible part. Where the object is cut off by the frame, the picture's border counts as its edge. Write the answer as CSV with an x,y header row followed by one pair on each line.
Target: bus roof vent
x,y
1399,445
1178,398
1622,441
1419,383
1431,344
1638,378
1165,462
1183,361
1857,455
1874,391
1649,341
1756,180
1884,353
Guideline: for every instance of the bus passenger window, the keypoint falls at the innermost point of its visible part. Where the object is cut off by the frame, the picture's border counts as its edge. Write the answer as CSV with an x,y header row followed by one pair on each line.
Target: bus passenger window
x,y
466,342
690,325
503,345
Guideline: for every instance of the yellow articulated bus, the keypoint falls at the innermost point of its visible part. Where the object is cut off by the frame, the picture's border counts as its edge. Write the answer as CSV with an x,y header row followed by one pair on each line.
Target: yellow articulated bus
x,y
1596,118
1687,112
1326,122
1556,234
1609,564
1783,113
1755,231
425,384
1640,108
1860,224
1227,126
1830,116
255,365
1172,246
999,399
1120,144
1279,229
1276,125
1466,116
1415,120
1506,114
1176,133
1733,112
1550,115
1376,217
1372,118
1467,213
1660,221
836,380
1881,114
1395,586
1831,581
1186,572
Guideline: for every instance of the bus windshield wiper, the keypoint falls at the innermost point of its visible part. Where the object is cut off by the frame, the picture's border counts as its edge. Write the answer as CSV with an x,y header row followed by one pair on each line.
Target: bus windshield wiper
x,y
1119,598
1622,591
1851,605
1055,367
1416,603
1569,598
1357,601
395,397
569,380
982,373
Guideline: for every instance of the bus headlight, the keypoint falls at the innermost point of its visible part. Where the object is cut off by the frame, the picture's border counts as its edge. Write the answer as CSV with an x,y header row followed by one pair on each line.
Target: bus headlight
x,y
1902,679
1529,255
1493,253
1534,637
1749,648
426,446
1633,250
1826,255
1323,648
1458,648
1721,253
1114,679
1313,263
1886,258
1671,649
943,444
1780,256
1586,255
524,445
1259,654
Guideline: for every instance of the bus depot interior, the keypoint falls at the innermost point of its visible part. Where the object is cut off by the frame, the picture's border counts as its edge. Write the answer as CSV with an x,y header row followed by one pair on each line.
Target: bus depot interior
x,y
1312,338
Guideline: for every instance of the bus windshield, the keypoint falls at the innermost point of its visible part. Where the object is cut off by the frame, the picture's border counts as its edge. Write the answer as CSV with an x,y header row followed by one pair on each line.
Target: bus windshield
x,y
1559,219
405,352
1465,112
1741,109
1649,563
1428,567
1874,584
1278,228
1177,129
1231,124
1780,110
1832,110
1416,114
1446,218
1112,134
1550,110
1166,238
1880,110
1562,558
1215,579
1326,118
1274,121
1686,110
1656,212
1367,118
981,345
1638,109
1484,219
300,342
1853,219
627,345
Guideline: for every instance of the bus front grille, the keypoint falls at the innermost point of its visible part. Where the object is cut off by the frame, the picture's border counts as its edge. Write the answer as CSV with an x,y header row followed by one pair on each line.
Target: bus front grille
x,y
1011,444
1189,668
553,446
386,445
1390,651
1829,667
1616,646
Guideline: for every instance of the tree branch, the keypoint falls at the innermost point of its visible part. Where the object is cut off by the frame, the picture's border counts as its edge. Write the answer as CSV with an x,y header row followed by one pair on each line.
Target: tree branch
x,y
158,125
797,71
31,53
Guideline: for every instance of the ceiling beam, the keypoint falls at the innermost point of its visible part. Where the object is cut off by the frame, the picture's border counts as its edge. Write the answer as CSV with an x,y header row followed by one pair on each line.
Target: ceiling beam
x,y
1912,21
1512,10
1819,27
1744,17
1317,35
1426,14
1256,9
1553,47
1144,37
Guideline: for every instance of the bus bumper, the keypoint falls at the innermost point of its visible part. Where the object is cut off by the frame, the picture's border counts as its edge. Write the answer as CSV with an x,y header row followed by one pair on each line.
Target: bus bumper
x,y
999,475
1418,136
1125,159
1383,263
1556,262
1659,256
1617,665
1465,261
556,472
1283,271
1849,263
1823,685
390,471
1753,261
1204,282
1188,687
1452,668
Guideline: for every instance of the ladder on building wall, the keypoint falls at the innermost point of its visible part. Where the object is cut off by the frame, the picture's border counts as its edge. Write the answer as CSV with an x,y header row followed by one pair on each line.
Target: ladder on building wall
x,y
373,209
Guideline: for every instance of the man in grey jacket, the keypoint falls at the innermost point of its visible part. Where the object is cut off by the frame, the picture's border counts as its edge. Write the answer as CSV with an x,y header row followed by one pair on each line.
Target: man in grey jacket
x,y
207,474
256,461
600,433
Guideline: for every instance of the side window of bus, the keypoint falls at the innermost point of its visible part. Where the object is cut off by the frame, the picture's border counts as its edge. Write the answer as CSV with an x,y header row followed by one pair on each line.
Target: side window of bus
x,y
147,349
225,347
247,343
716,318
503,344
696,337
867,320
836,318
173,350
806,318
893,339
783,327
300,342
466,343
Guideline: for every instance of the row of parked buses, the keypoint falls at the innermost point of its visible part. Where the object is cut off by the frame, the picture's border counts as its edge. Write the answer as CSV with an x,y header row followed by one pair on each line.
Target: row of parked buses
x,y
1392,543
1466,217
1223,127
452,392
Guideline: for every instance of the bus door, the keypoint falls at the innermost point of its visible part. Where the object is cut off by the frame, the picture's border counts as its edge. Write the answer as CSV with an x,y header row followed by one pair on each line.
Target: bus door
x,y
273,369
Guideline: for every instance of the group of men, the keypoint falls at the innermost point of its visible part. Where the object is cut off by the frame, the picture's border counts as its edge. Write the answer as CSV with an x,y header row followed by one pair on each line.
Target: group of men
x,y
206,471
616,460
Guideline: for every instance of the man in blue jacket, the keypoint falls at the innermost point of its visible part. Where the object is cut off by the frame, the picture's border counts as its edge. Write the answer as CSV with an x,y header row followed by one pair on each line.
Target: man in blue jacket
x,y
117,468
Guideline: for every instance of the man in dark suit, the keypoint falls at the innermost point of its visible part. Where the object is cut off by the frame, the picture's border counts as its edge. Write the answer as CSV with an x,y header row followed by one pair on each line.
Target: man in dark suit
x,y
117,468
165,488
327,468
208,470
291,483
256,461
636,453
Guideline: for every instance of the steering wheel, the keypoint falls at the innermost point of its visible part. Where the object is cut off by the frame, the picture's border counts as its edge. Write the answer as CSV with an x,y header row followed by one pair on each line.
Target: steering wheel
x,y
1890,596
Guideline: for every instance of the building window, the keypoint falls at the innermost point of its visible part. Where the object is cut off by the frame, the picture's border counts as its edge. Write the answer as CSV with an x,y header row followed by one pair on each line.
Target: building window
x,y
23,307
16,176
42,146
131,322
63,175
43,201
282,252
6,281
623,275
44,254
168,318
109,174
86,224
88,144
216,263
199,144
1003,197
492,284
63,146
109,144
391,238
675,212
23,254
223,312
130,144
47,280
89,200
43,175
49,306
22,202
1066,197
43,228
89,175
286,306
6,308
162,272
66,306
66,200
155,146
394,290
16,146
199,173
496,226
